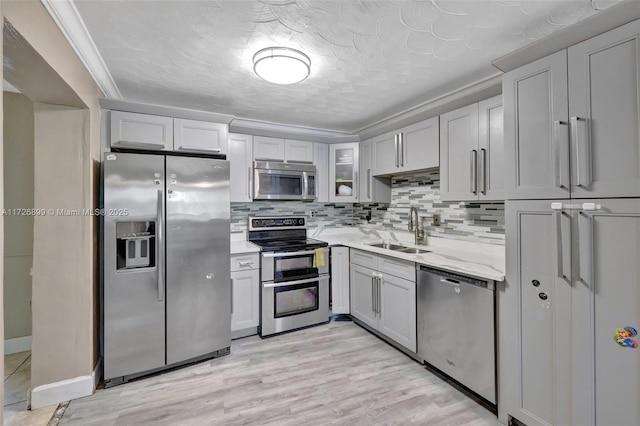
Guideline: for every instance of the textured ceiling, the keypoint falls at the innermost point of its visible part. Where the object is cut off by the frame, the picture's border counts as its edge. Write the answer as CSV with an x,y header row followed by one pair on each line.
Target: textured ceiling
x,y
370,59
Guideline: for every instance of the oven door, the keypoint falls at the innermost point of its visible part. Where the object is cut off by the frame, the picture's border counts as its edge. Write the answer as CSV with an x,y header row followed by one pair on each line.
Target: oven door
x,y
280,185
294,304
293,265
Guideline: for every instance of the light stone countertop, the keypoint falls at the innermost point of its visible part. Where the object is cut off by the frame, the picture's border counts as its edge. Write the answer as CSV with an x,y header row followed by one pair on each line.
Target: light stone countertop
x,y
467,258
240,245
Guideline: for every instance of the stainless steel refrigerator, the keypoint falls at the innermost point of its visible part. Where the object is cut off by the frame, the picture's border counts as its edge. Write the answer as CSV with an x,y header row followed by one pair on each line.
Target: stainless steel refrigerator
x,y
166,289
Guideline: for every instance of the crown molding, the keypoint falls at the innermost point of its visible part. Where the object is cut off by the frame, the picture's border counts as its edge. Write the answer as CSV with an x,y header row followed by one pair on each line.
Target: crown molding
x,y
278,130
187,114
66,16
475,92
608,19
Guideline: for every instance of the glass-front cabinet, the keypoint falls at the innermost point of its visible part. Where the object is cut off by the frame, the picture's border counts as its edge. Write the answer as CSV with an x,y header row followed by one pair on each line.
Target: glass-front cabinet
x,y
343,173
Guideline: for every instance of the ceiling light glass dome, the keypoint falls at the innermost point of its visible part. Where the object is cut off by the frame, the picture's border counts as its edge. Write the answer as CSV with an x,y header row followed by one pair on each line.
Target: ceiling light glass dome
x,y
281,65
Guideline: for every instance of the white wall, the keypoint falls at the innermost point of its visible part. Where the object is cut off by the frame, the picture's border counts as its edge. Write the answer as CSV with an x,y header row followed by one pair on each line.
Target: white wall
x,y
18,193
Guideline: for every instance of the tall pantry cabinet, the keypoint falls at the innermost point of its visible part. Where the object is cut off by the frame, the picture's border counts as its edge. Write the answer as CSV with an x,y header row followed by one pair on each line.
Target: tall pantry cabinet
x,y
570,311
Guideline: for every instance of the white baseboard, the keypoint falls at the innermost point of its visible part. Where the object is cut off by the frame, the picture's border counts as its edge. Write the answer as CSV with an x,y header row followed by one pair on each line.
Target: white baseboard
x,y
17,344
65,390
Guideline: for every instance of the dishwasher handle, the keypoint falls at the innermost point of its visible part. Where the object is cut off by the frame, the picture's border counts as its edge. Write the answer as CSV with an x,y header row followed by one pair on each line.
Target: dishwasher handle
x,y
451,278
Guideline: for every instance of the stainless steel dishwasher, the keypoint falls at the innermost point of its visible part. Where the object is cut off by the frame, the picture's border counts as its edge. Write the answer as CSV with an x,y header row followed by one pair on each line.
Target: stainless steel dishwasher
x,y
456,328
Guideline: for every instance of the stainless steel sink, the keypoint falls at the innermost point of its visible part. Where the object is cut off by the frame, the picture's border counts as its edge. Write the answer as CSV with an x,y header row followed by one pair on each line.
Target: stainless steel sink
x,y
387,246
396,247
412,250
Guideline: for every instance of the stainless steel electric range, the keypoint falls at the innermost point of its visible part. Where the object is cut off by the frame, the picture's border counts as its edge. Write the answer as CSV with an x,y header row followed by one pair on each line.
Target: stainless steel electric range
x,y
294,282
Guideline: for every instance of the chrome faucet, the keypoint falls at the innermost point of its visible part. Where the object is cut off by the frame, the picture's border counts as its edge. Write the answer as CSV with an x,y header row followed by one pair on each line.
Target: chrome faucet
x,y
414,225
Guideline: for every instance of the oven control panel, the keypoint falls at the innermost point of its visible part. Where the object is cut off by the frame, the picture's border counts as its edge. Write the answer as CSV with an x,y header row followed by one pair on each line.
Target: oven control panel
x,y
257,223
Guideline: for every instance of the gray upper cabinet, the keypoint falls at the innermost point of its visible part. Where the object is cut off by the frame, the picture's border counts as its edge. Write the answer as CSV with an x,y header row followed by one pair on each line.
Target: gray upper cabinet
x,y
572,121
472,152
141,131
199,136
265,148
604,111
491,149
459,154
298,151
536,129
410,149
371,189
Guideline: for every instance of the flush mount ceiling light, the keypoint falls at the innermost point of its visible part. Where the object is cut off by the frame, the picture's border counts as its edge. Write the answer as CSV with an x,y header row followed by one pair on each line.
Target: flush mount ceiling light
x,y
281,65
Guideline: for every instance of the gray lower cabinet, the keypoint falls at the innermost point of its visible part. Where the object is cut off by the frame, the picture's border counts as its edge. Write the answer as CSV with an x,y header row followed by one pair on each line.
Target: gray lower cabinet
x,y
569,312
384,302
571,121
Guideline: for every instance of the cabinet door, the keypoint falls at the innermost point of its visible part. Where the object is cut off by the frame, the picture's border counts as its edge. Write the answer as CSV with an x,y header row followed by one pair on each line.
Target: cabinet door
x,y
199,136
340,280
420,146
362,297
459,154
321,160
604,110
535,314
265,148
245,299
298,151
241,167
606,300
536,134
398,310
141,131
343,172
491,149
385,154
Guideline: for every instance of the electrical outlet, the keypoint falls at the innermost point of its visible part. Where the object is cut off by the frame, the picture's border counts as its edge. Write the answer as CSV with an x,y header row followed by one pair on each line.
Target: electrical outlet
x,y
313,213
436,219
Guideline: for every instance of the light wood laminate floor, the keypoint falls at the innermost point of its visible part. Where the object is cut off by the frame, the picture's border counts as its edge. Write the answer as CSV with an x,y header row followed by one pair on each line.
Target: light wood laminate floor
x,y
331,374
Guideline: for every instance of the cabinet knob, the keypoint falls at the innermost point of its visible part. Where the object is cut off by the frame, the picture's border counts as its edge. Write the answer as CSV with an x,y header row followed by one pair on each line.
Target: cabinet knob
x,y
543,296
535,283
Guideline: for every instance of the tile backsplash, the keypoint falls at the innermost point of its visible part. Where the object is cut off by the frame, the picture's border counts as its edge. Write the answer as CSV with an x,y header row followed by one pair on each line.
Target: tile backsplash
x,y
469,221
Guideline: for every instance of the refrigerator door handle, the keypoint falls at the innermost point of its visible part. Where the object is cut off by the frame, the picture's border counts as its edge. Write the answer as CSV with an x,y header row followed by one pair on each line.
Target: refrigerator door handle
x,y
160,244
561,160
581,145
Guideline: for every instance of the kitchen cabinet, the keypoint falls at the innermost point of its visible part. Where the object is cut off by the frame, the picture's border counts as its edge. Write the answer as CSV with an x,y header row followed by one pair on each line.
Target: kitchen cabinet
x,y
141,131
371,189
571,289
321,160
265,149
241,167
343,173
471,152
384,296
298,151
199,136
340,280
571,121
412,148
245,299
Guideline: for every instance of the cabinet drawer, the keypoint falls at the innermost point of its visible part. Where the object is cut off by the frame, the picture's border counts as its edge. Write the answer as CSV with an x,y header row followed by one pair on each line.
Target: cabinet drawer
x,y
397,268
362,258
243,262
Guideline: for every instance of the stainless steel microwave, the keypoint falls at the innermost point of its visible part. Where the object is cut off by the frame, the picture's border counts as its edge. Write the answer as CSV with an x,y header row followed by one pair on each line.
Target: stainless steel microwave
x,y
274,180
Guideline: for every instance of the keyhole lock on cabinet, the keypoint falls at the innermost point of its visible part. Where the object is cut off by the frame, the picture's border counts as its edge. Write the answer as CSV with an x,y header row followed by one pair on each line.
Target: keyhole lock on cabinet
x,y
543,296
535,283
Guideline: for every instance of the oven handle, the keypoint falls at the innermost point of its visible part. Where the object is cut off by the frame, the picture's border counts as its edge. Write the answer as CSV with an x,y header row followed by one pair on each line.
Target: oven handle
x,y
287,283
288,253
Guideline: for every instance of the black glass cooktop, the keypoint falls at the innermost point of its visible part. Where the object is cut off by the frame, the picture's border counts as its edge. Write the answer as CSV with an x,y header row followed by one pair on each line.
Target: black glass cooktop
x,y
289,245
